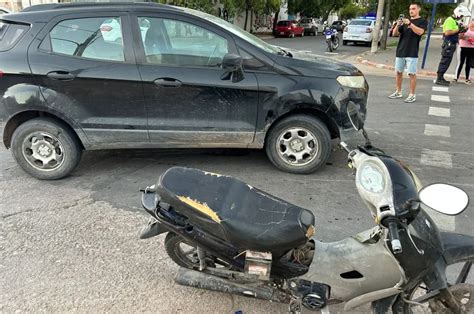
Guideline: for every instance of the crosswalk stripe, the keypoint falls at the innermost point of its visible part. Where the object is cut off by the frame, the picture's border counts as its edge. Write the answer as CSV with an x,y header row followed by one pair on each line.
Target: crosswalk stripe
x,y
440,89
436,158
439,112
437,130
440,98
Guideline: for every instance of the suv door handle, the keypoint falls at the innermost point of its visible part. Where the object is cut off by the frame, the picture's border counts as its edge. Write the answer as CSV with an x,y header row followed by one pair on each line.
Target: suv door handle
x,y
168,82
61,75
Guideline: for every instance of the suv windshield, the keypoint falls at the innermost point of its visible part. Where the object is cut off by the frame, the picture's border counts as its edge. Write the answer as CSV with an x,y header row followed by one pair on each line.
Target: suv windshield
x,y
254,40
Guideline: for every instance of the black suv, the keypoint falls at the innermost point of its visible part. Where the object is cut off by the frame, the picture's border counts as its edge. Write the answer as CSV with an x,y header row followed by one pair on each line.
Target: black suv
x,y
145,75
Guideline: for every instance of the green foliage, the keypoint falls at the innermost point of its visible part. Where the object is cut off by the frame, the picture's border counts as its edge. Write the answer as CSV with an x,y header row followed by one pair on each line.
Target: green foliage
x,y
401,7
316,8
351,11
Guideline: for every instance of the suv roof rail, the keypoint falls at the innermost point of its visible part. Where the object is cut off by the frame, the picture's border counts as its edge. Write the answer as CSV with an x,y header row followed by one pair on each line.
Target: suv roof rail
x,y
54,6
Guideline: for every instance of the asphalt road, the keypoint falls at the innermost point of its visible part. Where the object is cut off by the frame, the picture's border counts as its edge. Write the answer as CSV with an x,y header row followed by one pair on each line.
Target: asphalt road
x,y
72,245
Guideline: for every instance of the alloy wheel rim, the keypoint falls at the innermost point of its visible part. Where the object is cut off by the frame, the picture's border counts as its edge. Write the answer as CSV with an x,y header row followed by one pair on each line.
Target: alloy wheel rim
x,y
297,146
43,151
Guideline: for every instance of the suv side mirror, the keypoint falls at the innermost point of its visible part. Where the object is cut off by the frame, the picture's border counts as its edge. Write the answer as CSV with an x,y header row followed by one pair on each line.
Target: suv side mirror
x,y
232,64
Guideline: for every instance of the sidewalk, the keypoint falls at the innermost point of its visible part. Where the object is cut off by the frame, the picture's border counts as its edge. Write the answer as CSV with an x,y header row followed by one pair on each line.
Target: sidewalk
x,y
385,59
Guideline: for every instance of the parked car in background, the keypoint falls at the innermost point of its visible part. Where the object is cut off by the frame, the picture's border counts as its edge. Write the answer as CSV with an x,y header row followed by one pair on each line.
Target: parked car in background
x,y
80,77
339,25
288,29
359,31
311,26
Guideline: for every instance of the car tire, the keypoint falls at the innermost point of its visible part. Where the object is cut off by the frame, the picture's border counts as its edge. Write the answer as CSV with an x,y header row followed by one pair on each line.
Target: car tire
x,y
305,135
41,140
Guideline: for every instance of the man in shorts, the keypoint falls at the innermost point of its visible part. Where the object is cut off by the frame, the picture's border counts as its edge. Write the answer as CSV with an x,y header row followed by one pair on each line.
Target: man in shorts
x,y
410,31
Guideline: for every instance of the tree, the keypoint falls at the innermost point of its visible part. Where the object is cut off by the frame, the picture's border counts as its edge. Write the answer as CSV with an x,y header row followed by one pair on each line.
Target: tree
x,y
257,6
386,25
378,22
351,11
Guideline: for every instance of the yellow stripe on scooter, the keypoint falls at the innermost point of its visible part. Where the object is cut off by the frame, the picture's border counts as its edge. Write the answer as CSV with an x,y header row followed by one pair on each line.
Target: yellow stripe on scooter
x,y
203,208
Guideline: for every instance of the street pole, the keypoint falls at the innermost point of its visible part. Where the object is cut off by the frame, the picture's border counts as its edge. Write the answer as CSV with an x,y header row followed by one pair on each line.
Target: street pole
x,y
430,27
378,24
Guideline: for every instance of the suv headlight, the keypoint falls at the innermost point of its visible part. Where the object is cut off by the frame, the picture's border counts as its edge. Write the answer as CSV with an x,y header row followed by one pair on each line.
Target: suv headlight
x,y
354,81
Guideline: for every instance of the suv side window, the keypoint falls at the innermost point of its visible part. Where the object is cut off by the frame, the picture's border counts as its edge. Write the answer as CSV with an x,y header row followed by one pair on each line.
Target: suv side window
x,y
93,38
172,42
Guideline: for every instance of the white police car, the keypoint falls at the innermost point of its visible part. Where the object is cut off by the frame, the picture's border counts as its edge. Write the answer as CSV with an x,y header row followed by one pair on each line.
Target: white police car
x,y
359,31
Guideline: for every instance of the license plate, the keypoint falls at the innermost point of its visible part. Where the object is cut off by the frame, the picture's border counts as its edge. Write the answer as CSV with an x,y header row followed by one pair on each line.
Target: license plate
x,y
282,33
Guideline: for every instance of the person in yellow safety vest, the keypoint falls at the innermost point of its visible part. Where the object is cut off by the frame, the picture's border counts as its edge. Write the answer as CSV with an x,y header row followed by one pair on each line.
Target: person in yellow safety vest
x,y
451,29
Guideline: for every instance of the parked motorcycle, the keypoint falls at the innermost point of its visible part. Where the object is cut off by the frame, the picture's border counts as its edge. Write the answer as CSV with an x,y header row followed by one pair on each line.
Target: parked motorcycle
x,y
332,38
231,237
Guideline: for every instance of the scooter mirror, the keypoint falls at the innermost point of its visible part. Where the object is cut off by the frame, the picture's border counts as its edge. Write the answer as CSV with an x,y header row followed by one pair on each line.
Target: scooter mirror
x,y
444,198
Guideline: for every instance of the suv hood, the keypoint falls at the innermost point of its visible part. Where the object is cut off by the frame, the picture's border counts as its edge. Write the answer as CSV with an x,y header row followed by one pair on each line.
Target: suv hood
x,y
308,64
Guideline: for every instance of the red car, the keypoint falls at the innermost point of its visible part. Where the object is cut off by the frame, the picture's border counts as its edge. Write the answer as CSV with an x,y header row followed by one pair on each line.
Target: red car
x,y
288,29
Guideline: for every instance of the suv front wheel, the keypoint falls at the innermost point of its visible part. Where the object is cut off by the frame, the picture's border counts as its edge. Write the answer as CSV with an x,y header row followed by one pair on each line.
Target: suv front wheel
x,y
45,148
299,144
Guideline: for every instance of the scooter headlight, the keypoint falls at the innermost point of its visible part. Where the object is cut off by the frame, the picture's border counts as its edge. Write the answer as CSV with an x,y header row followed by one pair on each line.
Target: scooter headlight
x,y
372,177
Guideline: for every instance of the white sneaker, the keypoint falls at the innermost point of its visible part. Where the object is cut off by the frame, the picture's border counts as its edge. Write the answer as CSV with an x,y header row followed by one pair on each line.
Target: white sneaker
x,y
396,94
410,98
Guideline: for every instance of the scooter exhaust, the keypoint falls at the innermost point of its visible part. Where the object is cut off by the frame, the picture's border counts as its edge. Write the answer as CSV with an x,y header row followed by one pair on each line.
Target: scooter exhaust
x,y
201,280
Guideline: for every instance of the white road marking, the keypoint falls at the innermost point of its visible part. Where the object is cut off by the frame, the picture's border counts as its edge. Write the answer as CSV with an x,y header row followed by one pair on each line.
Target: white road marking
x,y
439,112
436,158
437,130
440,89
440,98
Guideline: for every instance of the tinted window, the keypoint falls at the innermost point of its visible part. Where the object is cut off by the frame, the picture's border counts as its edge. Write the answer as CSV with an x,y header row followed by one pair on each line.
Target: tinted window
x,y
361,22
10,34
173,42
283,23
306,21
93,38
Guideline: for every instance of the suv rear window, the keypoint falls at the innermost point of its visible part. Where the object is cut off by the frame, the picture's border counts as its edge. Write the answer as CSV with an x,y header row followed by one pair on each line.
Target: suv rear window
x,y
10,34
92,38
306,21
361,22
283,23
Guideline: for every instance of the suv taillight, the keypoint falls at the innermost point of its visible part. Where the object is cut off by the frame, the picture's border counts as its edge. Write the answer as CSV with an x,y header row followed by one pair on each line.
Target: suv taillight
x,y
346,29
368,30
1,73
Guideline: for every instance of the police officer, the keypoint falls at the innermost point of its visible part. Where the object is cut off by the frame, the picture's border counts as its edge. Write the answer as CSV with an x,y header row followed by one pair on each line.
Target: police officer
x,y
451,29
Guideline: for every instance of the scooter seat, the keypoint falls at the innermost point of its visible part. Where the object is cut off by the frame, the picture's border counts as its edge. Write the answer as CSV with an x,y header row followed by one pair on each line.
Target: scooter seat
x,y
235,211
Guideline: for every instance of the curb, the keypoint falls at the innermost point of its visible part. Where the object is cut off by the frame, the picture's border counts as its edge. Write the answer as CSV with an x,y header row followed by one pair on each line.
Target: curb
x,y
361,60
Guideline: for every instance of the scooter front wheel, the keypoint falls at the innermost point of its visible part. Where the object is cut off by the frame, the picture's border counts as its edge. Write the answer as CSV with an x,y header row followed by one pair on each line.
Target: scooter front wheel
x,y
329,42
421,300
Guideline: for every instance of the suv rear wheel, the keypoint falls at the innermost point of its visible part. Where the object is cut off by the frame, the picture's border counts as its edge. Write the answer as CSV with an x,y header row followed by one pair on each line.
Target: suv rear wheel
x,y
45,148
299,144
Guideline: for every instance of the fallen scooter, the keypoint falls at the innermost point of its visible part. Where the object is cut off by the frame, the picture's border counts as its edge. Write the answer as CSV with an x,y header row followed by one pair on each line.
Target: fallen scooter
x,y
231,237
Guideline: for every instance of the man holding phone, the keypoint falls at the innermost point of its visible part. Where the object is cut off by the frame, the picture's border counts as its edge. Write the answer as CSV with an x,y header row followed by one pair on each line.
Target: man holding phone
x,y
410,31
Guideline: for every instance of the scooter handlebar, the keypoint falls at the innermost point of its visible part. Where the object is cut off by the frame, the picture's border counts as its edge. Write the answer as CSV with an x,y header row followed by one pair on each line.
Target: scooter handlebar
x,y
394,237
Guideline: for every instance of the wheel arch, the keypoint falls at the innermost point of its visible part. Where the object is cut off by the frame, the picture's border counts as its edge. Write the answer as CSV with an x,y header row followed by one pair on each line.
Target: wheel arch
x,y
21,117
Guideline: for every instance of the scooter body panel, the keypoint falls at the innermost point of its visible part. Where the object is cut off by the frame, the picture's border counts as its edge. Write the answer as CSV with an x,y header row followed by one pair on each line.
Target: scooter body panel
x,y
353,267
